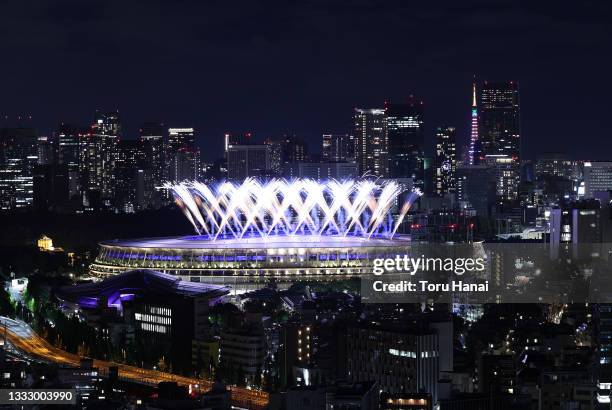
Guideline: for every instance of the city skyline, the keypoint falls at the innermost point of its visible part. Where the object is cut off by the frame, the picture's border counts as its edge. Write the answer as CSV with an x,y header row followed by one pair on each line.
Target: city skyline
x,y
306,205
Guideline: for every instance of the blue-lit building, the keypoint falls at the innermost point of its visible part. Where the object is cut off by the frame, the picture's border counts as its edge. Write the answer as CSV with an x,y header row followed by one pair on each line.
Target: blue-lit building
x,y
280,228
154,310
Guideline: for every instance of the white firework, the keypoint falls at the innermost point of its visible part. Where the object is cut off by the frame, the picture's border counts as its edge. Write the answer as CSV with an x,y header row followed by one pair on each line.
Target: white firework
x,y
295,207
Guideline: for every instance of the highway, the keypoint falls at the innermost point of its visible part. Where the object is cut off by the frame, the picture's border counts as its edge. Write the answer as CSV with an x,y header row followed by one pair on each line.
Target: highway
x,y
23,338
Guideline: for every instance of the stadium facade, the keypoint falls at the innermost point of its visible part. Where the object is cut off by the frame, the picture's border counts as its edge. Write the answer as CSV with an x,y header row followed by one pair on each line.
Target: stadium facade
x,y
280,229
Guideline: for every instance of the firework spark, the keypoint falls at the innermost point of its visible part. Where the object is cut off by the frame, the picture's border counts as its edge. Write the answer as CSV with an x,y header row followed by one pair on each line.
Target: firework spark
x,y
301,206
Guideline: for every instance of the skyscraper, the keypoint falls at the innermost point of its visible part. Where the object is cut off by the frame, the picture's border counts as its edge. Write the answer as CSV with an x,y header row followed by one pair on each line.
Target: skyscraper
x,y
153,161
18,159
51,186
370,128
475,188
99,157
275,152
182,155
47,150
338,148
499,134
295,149
129,188
70,141
406,140
445,161
237,139
247,161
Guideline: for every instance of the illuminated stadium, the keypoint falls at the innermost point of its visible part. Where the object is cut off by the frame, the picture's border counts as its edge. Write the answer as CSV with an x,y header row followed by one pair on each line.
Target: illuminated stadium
x,y
275,229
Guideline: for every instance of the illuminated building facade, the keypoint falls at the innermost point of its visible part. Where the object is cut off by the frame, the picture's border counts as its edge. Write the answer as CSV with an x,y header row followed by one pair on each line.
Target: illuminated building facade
x,y
45,243
152,143
101,155
275,153
499,135
338,148
397,359
47,150
406,140
370,127
557,165
283,257
577,227
446,161
182,155
18,160
597,178
71,140
130,177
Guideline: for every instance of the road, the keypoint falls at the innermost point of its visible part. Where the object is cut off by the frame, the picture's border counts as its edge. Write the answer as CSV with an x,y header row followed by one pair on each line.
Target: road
x,y
23,338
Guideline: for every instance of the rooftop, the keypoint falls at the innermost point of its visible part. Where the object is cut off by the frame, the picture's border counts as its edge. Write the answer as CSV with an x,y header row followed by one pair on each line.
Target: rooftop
x,y
133,284
280,241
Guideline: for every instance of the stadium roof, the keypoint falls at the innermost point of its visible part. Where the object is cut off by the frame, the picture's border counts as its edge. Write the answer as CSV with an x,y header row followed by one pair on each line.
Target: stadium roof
x,y
137,283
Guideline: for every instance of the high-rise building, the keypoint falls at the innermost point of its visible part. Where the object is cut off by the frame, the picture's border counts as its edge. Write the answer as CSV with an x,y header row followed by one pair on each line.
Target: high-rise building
x,y
130,177
398,357
99,157
370,128
499,122
476,188
51,186
406,140
18,159
446,161
338,148
557,165
237,139
295,149
577,227
499,134
70,140
153,162
244,348
597,178
275,152
247,161
182,155
47,150
322,170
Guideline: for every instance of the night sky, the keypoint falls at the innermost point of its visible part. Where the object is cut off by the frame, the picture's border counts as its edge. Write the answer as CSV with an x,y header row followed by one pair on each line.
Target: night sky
x,y
272,67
